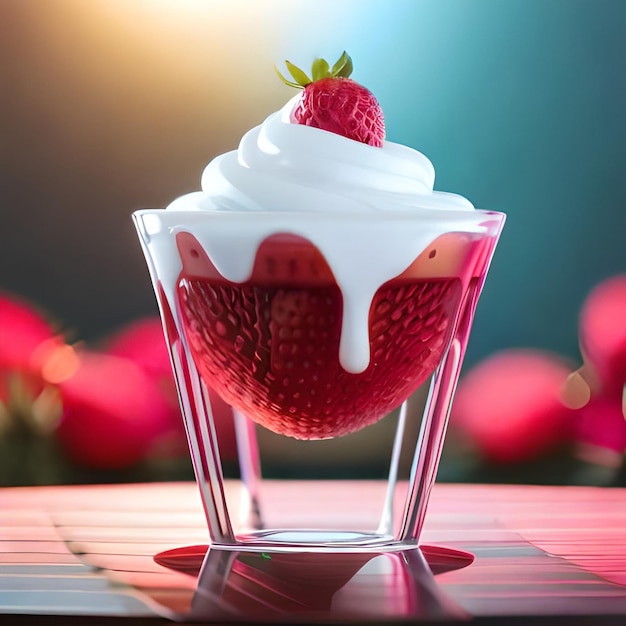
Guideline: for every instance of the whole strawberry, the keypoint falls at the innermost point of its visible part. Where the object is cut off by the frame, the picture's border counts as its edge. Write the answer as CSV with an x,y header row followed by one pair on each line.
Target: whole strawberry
x,y
334,102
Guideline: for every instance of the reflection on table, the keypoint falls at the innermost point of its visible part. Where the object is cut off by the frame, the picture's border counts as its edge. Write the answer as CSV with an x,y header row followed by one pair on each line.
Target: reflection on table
x,y
90,551
272,585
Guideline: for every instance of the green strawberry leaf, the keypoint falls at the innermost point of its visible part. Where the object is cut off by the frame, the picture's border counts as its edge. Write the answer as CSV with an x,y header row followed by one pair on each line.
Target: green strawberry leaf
x,y
320,69
300,77
286,81
343,67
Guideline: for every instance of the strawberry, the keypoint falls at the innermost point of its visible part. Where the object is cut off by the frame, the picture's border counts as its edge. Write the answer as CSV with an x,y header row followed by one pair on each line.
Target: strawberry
x,y
143,343
22,330
334,102
270,346
602,335
28,399
600,432
602,331
508,407
113,412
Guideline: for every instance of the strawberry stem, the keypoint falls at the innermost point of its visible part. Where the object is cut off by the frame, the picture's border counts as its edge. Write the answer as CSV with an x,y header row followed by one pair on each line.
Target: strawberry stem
x,y
320,69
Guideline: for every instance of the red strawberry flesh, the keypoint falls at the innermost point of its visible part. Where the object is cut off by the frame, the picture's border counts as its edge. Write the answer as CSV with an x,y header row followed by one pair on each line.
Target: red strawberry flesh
x,y
270,346
341,106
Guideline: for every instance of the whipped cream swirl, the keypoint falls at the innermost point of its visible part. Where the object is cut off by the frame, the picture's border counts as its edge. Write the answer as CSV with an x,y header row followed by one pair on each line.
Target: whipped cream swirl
x,y
281,166
371,211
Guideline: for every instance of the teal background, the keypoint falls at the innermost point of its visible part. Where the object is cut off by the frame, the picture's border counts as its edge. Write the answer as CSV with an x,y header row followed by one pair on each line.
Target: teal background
x,y
111,105
521,106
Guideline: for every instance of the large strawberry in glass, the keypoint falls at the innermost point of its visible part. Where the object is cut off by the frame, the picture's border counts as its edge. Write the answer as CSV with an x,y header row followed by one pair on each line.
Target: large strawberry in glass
x,y
270,346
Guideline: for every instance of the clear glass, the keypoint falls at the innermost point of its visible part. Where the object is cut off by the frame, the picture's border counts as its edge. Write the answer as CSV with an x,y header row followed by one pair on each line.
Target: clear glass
x,y
219,331
317,587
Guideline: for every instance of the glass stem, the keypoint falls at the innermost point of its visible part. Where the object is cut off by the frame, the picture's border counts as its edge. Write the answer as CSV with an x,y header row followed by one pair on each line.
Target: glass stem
x,y
435,421
250,468
385,526
201,435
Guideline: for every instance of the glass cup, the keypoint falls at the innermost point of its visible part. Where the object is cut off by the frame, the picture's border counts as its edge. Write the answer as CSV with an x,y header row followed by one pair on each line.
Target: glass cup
x,y
270,340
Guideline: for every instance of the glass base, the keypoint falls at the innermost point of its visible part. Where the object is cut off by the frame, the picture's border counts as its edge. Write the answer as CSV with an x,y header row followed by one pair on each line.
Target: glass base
x,y
189,559
318,540
316,587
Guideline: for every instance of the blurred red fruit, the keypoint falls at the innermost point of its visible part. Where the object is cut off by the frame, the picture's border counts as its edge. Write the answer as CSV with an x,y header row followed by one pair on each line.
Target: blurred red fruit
x,y
600,430
26,398
22,330
602,331
143,342
113,412
509,406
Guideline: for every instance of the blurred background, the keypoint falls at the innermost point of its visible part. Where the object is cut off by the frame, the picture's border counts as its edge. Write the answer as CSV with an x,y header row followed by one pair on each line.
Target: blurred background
x,y
109,106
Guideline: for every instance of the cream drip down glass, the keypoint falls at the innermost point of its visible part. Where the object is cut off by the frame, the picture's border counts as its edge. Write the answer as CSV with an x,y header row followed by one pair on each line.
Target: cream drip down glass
x,y
315,284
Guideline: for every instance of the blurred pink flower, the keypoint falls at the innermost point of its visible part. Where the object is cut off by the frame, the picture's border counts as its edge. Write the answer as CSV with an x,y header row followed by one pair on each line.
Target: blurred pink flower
x,y
602,333
22,331
600,432
28,402
508,406
143,342
113,412
598,388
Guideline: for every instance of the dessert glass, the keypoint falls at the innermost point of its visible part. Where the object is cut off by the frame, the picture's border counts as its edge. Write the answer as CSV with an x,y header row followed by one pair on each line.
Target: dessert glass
x,y
273,345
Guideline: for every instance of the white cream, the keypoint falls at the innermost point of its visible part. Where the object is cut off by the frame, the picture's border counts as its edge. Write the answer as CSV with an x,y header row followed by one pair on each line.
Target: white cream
x,y
370,211
280,166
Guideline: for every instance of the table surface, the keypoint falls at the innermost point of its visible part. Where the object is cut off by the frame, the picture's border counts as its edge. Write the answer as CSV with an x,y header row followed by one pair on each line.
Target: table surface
x,y
74,551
